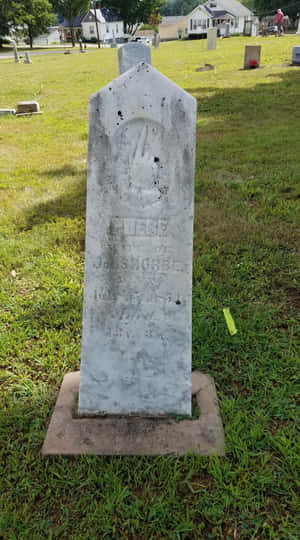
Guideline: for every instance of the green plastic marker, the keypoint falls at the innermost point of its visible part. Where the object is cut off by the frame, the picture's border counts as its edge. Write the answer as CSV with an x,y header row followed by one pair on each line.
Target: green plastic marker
x,y
229,321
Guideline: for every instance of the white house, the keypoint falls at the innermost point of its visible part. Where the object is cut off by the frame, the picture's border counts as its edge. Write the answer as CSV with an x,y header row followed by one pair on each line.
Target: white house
x,y
109,22
226,15
53,36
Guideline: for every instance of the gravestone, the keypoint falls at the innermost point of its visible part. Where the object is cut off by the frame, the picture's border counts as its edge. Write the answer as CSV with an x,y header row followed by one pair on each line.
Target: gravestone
x,y
252,53
16,54
28,107
156,40
136,348
298,29
113,44
5,112
131,54
211,39
227,30
27,58
296,56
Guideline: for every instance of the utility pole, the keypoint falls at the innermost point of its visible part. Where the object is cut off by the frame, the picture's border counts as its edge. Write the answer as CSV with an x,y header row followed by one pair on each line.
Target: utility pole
x,y
97,29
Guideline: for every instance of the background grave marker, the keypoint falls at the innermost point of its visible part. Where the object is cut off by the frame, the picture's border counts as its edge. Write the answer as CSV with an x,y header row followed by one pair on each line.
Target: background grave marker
x,y
131,54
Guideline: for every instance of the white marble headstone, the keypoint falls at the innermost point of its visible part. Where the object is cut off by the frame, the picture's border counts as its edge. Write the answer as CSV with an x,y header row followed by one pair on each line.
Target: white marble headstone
x,y
211,39
131,54
137,322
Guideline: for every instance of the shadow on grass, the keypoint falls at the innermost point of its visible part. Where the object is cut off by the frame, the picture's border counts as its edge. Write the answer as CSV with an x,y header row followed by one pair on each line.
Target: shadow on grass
x,y
262,101
70,204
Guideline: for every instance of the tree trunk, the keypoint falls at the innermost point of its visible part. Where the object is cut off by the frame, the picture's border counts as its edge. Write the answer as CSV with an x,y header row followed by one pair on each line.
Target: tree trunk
x,y
30,38
72,36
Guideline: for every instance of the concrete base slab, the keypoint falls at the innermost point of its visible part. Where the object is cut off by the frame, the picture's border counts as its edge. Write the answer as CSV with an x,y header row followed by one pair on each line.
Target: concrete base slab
x,y
69,434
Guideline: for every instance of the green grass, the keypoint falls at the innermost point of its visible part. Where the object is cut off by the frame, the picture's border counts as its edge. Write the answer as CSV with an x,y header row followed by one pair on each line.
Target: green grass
x,y
246,257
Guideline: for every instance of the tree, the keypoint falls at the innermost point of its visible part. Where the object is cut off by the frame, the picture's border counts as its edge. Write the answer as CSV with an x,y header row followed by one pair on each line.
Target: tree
x,y
70,9
5,17
35,16
269,7
134,12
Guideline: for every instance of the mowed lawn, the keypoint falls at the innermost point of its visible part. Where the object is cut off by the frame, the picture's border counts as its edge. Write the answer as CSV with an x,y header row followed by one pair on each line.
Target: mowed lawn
x,y
246,257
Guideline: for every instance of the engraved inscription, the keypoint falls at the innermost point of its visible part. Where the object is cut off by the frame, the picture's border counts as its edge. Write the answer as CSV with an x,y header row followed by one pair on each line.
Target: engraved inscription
x,y
142,264
138,227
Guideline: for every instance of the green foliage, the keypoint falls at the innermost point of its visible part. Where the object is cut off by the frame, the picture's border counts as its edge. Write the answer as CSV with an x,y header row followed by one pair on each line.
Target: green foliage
x,y
35,16
6,13
246,257
269,7
179,7
134,12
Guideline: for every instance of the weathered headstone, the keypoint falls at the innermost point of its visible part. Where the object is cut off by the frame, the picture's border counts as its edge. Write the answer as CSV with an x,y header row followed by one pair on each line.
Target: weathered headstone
x,y
298,29
252,55
296,56
136,351
16,54
5,112
28,107
113,44
211,39
156,40
131,54
27,58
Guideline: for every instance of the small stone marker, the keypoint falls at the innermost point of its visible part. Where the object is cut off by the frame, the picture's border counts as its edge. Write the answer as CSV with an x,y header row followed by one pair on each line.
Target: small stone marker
x,y
28,107
211,39
252,53
136,352
298,29
296,56
5,112
156,40
27,58
16,54
131,54
113,44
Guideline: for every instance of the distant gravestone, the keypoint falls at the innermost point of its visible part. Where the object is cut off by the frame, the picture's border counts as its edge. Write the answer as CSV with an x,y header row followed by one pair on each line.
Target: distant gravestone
x,y
211,39
136,349
28,107
296,56
16,54
6,112
113,44
298,29
156,40
27,58
131,54
227,30
252,56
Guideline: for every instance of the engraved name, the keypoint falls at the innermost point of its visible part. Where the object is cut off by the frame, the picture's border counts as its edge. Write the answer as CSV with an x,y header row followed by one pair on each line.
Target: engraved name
x,y
143,264
138,227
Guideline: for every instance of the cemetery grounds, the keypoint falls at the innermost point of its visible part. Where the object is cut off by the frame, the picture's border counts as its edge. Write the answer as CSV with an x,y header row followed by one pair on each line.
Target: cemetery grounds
x,y
246,257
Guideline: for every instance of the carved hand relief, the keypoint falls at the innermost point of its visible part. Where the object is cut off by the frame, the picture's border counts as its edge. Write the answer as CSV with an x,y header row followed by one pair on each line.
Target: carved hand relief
x,y
141,162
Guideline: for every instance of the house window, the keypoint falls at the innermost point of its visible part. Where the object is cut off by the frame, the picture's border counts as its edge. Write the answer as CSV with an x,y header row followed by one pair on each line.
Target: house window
x,y
117,28
107,29
236,22
191,24
92,30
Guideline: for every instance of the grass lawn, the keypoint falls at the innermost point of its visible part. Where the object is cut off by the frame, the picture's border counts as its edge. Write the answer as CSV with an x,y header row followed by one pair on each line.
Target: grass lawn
x,y
246,257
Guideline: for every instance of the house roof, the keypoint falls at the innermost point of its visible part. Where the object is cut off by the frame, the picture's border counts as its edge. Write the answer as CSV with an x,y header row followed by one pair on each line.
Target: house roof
x,y
77,21
233,7
219,13
104,15
173,19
